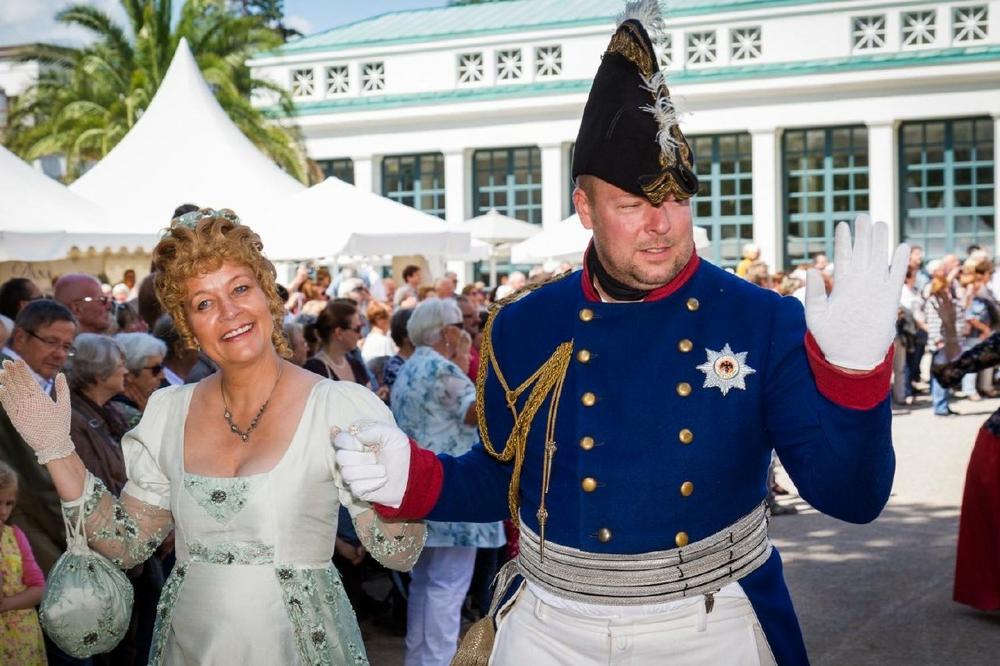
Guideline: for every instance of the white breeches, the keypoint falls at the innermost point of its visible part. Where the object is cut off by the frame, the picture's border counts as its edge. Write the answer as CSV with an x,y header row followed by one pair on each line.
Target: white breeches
x,y
533,632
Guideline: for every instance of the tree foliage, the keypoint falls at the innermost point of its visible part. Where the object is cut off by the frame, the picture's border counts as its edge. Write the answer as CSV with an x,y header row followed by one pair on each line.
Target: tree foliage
x,y
272,12
86,99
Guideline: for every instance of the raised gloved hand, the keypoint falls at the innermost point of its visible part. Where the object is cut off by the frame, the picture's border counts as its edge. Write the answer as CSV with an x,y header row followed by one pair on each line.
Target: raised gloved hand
x,y
856,324
374,461
41,422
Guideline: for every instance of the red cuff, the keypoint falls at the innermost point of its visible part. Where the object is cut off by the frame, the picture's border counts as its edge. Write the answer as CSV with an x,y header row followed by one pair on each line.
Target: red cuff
x,y
860,391
423,486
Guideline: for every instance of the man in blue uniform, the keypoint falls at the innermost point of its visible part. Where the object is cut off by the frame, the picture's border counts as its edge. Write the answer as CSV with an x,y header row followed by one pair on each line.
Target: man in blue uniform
x,y
628,413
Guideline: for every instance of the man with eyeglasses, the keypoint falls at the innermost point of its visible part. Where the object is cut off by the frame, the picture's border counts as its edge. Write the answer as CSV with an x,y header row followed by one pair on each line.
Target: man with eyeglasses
x,y
82,294
43,337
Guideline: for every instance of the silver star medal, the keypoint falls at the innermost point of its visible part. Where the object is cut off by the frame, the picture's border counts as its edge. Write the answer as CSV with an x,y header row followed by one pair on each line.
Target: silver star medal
x,y
725,370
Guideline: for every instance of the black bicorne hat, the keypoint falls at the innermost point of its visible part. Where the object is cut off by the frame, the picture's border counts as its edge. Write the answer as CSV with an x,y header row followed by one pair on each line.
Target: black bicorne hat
x,y
629,135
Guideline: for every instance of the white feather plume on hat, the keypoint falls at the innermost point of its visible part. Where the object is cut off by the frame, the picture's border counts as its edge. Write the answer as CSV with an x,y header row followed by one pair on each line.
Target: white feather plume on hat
x,y
649,14
665,112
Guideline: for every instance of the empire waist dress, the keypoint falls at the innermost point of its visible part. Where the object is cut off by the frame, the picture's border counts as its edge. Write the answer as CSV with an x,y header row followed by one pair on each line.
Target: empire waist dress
x,y
254,582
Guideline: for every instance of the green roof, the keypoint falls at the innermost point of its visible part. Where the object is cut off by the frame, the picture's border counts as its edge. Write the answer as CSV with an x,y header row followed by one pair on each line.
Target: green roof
x,y
437,23
896,60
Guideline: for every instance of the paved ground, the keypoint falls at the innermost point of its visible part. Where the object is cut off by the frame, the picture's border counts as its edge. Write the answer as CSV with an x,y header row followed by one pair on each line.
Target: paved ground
x,y
881,593
877,594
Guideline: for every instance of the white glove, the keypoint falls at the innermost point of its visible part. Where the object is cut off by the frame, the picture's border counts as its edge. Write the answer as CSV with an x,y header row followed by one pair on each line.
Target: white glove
x,y
374,461
856,324
41,422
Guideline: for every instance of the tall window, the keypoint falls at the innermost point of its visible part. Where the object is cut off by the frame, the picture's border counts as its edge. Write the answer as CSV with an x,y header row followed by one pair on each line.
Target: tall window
x,y
342,168
724,205
947,184
510,180
415,180
826,182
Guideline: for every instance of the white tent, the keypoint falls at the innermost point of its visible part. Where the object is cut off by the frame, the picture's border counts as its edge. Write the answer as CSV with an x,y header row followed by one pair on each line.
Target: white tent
x,y
498,231
566,241
336,218
184,149
495,228
41,220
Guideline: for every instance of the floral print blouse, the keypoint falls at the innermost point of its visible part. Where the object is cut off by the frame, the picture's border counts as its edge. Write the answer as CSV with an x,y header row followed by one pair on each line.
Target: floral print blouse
x,y
430,398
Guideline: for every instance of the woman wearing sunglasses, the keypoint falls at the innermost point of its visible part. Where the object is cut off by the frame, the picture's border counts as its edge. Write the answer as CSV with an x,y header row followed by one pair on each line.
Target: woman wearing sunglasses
x,y
144,373
339,329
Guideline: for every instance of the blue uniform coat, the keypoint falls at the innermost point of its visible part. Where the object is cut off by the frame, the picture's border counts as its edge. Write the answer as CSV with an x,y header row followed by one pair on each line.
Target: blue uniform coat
x,y
673,465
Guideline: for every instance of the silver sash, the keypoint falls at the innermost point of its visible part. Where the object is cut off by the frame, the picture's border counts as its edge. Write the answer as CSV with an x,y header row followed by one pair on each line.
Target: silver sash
x,y
703,567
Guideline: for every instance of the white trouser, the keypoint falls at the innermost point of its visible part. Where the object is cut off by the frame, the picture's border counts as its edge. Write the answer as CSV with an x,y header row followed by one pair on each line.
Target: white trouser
x,y
438,585
532,632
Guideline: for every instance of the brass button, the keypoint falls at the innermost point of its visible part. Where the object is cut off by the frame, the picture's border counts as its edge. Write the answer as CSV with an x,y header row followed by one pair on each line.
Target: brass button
x,y
588,399
586,314
687,488
686,436
586,443
681,539
604,535
583,356
683,389
685,345
589,484
693,304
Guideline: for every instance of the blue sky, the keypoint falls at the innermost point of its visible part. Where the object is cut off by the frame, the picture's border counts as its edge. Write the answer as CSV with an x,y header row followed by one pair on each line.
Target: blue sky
x,y
26,21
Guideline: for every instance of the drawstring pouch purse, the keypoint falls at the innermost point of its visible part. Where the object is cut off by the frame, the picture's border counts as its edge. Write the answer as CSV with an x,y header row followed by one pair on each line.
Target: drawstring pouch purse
x,y
88,600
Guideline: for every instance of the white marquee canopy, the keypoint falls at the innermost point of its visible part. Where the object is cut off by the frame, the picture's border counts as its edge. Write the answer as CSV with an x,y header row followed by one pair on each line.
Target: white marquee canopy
x,y
184,149
41,220
336,218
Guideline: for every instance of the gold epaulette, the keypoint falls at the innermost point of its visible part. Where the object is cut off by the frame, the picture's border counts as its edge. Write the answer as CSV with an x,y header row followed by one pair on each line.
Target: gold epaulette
x,y
546,381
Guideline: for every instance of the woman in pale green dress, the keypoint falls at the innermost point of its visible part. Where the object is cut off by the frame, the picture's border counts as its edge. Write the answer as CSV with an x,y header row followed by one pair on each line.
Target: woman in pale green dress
x,y
239,466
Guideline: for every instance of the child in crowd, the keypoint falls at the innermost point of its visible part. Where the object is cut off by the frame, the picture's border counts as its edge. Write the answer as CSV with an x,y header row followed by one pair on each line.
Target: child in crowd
x,y
21,585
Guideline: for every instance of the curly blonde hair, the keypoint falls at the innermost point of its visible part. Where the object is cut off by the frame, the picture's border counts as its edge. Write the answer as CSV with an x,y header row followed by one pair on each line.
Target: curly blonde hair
x,y
198,243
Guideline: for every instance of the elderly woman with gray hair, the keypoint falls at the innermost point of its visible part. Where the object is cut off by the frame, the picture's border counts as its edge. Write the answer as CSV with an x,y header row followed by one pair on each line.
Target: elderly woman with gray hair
x,y
144,356
434,402
96,374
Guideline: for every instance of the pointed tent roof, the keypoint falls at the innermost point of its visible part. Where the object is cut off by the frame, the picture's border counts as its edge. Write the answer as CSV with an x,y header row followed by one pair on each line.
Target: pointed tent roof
x,y
184,149
41,220
495,228
344,220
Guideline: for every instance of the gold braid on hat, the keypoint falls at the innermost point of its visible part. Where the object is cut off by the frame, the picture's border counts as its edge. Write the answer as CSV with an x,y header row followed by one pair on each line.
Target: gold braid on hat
x,y
627,43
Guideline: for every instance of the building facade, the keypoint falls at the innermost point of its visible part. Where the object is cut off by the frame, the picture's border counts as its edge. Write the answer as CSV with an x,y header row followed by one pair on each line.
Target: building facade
x,y
801,113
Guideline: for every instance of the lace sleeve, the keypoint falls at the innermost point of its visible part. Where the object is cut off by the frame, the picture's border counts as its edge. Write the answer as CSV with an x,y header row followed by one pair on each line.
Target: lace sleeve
x,y
395,544
125,530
